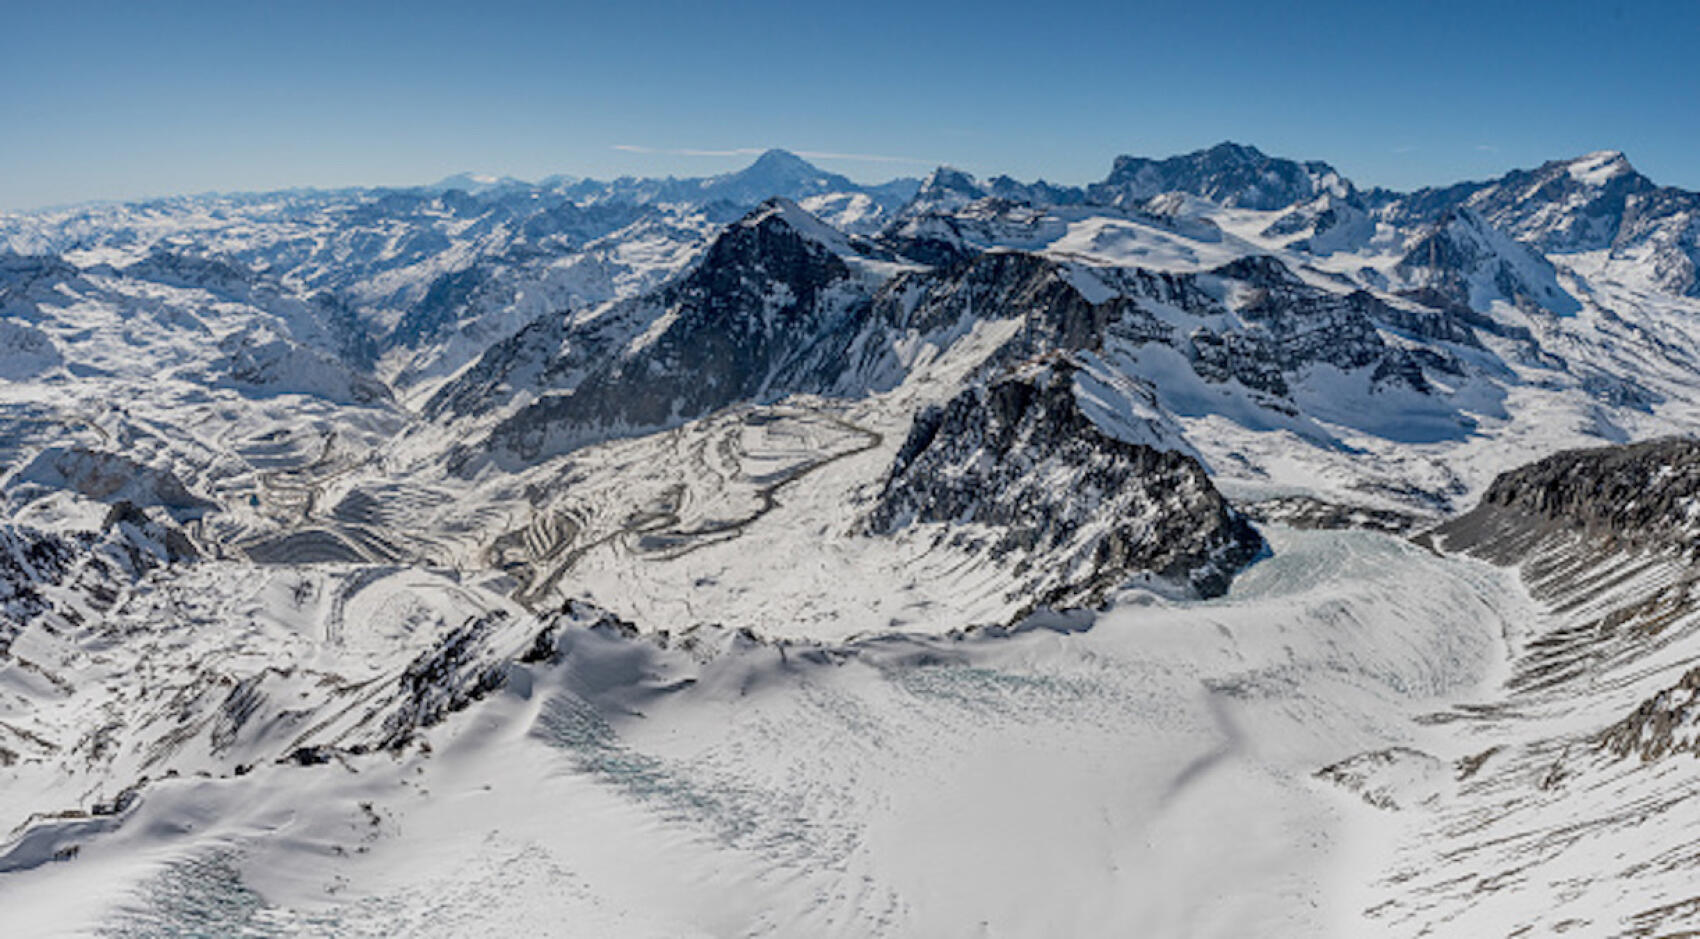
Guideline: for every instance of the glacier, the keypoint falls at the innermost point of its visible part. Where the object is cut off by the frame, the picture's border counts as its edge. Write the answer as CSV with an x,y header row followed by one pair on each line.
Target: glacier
x,y
1218,549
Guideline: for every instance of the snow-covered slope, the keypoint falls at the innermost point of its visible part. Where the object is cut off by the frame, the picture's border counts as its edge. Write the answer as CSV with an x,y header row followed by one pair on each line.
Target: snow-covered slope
x,y
489,556
1464,261
1595,203
1570,810
1124,778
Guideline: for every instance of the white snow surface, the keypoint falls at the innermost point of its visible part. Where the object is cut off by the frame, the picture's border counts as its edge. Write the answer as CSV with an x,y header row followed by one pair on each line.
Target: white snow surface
x,y
812,731
1146,770
1599,167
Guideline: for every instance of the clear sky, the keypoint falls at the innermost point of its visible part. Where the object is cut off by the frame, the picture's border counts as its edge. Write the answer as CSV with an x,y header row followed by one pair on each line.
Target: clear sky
x,y
123,100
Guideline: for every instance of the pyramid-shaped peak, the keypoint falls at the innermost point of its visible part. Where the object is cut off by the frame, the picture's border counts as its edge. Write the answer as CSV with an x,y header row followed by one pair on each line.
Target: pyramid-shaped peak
x,y
774,173
777,159
786,174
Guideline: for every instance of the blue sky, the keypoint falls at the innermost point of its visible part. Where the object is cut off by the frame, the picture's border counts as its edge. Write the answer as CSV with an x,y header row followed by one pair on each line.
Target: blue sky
x,y
138,99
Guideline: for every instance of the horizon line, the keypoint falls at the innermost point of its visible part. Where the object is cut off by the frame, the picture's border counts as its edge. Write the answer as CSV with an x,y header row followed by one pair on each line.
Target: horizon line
x,y
806,155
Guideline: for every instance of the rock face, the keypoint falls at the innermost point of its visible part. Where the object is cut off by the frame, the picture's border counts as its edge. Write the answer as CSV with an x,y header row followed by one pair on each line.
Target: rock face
x,y
1561,205
1589,750
1466,262
1228,173
948,231
1016,466
1640,495
768,289
1310,513
1593,202
944,189
1299,325
551,352
1275,329
1608,536
1664,725
463,666
29,561
1324,225
65,579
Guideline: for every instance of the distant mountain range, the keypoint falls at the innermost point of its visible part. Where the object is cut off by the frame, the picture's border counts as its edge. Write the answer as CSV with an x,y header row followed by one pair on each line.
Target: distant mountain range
x,y
1592,202
352,541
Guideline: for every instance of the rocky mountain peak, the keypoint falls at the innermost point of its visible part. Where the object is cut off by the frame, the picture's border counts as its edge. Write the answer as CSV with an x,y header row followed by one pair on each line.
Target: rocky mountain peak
x,y
1468,261
1229,152
1077,511
1599,167
1231,174
949,179
775,173
781,238
775,161
770,286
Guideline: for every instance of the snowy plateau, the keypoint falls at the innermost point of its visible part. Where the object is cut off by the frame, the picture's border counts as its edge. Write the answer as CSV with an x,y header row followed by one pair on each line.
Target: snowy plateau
x,y
1220,549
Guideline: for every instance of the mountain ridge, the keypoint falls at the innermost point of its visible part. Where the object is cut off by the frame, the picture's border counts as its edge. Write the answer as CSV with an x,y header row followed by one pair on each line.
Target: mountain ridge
x,y
409,557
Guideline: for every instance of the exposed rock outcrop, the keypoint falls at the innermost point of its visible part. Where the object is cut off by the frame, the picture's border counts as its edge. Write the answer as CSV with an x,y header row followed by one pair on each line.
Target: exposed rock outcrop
x,y
1018,470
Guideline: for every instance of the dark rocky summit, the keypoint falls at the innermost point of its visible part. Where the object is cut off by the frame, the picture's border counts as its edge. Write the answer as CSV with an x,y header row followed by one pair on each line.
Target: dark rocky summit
x,y
1087,511
764,293
1229,173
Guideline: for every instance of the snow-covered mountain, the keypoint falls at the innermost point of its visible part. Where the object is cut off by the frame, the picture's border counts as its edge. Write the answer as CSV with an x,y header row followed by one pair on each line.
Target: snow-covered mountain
x,y
1229,174
1595,204
1463,261
431,560
774,173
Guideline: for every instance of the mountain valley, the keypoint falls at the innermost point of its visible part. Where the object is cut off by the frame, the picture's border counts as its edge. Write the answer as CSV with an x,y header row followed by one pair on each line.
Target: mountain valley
x,y
1218,549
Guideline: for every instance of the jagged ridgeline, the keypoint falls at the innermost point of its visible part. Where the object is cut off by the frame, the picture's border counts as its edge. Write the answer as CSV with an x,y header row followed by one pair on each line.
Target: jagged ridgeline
x,y
1016,466
335,525
494,326
1639,496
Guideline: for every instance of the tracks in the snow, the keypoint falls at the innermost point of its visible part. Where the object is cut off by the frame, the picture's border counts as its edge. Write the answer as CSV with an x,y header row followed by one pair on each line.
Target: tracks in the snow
x,y
732,481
